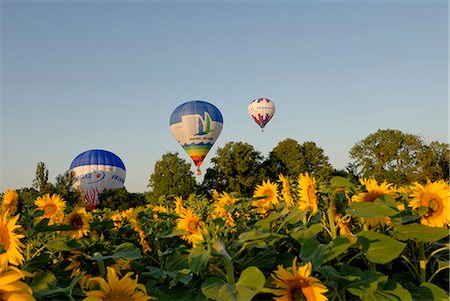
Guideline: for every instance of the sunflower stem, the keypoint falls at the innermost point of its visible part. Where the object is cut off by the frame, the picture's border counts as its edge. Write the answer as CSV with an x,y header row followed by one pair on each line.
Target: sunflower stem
x,y
219,248
422,262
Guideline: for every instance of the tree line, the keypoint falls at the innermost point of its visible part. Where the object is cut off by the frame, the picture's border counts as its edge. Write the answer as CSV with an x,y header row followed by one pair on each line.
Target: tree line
x,y
238,167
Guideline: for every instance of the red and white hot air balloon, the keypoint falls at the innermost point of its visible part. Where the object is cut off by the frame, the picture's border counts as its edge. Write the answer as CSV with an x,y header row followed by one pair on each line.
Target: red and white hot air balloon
x,y
262,111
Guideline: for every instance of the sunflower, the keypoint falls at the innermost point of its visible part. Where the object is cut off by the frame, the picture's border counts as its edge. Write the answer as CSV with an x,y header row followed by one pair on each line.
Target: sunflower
x,y
266,194
374,191
9,241
308,193
121,264
157,210
79,219
221,208
286,190
434,196
113,288
10,201
75,259
53,207
132,217
297,284
11,287
191,224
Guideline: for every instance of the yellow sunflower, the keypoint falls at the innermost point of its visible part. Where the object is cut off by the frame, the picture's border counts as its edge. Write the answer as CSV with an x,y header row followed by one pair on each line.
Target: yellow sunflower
x,y
191,224
121,264
11,286
157,210
10,201
75,259
286,190
221,208
435,196
53,207
307,193
9,241
267,195
113,288
79,219
297,284
374,191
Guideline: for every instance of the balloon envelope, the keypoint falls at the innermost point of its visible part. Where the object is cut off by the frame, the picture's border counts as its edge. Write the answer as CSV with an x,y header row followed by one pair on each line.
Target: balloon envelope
x,y
261,110
95,171
196,125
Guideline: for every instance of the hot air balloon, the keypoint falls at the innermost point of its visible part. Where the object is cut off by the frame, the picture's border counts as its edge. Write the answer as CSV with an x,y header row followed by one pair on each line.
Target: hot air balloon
x,y
261,110
196,125
95,171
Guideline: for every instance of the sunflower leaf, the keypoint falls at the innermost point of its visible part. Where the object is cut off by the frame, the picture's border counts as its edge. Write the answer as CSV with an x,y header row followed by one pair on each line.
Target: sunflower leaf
x,y
420,232
250,283
211,286
380,248
198,259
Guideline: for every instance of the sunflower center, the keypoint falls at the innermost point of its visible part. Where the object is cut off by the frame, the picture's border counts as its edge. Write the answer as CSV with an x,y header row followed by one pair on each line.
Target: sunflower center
x,y
372,196
77,222
268,194
117,296
49,209
4,237
192,226
434,204
311,192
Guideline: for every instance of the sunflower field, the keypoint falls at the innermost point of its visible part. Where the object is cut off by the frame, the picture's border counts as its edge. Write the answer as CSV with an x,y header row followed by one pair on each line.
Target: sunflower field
x,y
295,239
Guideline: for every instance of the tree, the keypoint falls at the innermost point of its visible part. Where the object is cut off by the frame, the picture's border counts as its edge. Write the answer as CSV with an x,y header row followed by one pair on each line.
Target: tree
x,y
120,199
64,187
396,157
237,167
290,158
172,176
41,181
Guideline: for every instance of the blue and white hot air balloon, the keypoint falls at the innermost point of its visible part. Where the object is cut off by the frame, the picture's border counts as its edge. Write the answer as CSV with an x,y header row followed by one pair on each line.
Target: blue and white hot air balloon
x,y
95,171
196,125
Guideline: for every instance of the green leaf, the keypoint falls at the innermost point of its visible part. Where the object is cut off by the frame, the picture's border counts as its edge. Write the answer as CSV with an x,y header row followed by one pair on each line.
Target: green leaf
x,y
124,250
379,208
319,254
380,248
211,286
250,283
227,293
301,234
43,226
295,216
41,281
343,182
55,245
429,291
376,286
198,259
420,232
253,235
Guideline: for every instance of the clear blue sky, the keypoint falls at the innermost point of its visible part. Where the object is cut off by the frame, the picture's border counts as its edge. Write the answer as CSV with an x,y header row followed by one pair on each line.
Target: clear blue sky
x,y
78,75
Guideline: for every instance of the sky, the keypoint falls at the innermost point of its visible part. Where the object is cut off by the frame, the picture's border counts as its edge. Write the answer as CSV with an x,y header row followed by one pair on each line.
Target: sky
x,y
80,75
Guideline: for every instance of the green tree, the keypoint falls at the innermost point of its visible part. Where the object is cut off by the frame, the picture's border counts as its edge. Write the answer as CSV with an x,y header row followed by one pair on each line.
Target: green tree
x,y
237,167
41,182
396,157
172,176
120,199
442,154
64,187
291,158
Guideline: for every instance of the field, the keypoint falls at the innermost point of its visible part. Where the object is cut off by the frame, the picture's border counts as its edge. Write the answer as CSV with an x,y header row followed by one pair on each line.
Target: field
x,y
295,239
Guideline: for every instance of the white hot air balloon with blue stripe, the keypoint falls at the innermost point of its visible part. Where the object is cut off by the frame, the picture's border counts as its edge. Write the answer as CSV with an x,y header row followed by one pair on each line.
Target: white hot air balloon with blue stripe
x,y
95,171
